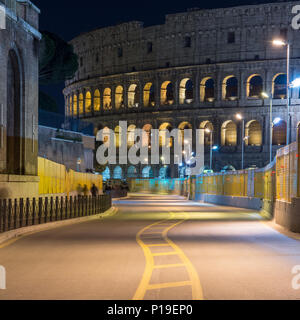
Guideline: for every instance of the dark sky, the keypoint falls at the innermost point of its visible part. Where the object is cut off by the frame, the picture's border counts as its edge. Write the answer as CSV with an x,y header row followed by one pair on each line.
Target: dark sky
x,y
69,18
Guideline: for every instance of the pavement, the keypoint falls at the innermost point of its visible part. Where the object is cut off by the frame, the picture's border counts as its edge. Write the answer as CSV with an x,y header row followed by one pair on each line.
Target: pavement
x,y
155,247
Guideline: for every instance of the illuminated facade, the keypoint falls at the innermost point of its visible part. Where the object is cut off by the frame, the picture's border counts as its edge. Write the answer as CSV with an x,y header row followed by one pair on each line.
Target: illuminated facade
x,y
197,70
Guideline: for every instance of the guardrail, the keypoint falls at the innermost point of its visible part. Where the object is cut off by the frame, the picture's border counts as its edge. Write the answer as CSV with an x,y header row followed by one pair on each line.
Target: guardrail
x,y
18,213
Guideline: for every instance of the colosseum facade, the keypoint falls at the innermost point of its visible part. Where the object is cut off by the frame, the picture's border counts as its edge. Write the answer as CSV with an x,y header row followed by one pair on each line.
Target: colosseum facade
x,y
197,70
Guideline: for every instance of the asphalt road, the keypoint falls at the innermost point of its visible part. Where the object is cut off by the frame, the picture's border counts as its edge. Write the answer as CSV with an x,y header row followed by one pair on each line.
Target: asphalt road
x,y
155,247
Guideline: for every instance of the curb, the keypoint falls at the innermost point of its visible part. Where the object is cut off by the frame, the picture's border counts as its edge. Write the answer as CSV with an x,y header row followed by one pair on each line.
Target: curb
x,y
14,235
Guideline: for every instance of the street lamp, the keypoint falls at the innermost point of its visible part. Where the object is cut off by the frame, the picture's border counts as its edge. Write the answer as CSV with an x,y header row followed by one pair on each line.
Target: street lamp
x,y
240,117
280,42
266,96
211,146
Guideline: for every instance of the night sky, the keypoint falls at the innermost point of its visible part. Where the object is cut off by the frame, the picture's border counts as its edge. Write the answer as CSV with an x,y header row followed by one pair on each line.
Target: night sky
x,y
69,18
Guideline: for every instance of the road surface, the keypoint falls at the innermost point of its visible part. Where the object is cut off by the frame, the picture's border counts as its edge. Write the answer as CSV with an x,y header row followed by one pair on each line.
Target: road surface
x,y
155,247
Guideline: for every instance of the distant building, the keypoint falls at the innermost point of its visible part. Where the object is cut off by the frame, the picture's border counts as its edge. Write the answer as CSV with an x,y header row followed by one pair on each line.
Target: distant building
x,y
195,71
19,48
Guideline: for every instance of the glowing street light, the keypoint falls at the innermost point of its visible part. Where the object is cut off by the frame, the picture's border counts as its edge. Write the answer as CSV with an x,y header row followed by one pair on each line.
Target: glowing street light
x,y
240,117
279,42
276,121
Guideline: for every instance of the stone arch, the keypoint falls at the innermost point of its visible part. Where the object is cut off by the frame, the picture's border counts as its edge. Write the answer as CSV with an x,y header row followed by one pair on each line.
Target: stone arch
x,y
97,100
106,135
15,125
207,125
107,99
147,172
186,91
118,140
88,102
254,86
106,174
163,128
182,126
279,133
149,96
80,103
164,172
131,135
119,97
207,89
253,132
230,88
279,86
118,173
75,105
229,133
132,172
133,95
166,93
146,139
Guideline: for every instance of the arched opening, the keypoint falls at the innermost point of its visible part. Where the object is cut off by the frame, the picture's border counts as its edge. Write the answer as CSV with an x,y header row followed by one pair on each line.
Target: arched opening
x,y
279,133
133,96
147,172
118,140
254,86
149,97
118,173
166,93
14,161
163,172
132,172
207,90
253,133
163,129
131,135
106,174
207,125
80,103
186,91
106,135
97,100
230,88
119,98
279,86
107,99
146,139
228,167
75,111
184,125
70,106
88,102
229,134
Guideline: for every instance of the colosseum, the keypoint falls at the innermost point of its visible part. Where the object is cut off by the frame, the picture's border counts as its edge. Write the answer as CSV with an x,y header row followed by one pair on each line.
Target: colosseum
x,y
198,70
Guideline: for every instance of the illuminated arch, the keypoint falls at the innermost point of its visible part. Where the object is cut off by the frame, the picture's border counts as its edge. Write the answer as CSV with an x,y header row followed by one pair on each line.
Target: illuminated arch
x,y
146,138
207,125
133,96
207,90
229,134
107,99
253,132
279,133
149,98
119,98
80,103
147,172
75,106
106,174
254,86
279,86
118,141
70,107
132,172
166,93
118,173
162,134
186,92
88,102
131,135
97,100
230,88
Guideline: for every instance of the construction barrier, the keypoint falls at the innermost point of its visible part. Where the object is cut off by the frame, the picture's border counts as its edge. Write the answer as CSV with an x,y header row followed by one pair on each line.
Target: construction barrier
x,y
56,179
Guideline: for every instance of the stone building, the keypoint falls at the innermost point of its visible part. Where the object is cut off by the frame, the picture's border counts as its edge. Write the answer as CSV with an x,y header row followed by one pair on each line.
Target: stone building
x,y
197,70
19,43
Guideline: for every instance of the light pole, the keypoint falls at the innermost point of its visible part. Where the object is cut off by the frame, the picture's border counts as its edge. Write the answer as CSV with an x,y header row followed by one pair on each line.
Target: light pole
x,y
266,96
240,117
279,42
211,146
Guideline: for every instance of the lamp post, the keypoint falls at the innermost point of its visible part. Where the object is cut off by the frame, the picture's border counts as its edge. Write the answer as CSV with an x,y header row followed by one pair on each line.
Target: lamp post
x,y
211,146
266,96
240,117
279,42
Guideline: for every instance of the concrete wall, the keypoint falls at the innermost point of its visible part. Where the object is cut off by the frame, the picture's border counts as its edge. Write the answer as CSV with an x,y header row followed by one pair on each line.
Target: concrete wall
x,y
288,214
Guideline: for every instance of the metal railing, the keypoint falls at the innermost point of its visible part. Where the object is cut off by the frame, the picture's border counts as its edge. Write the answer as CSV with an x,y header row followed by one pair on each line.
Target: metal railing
x,y
18,213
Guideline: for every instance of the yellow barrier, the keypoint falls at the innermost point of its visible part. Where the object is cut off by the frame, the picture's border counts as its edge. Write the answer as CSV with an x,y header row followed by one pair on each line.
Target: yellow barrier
x,y
56,179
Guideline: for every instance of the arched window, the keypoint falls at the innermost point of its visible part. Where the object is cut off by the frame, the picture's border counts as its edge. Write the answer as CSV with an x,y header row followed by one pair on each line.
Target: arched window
x,y
97,100
107,99
279,86
207,90
118,141
279,133
149,98
207,135
146,139
132,172
230,88
254,86
133,96
75,111
184,125
166,93
118,173
229,134
80,103
106,174
88,102
163,134
253,133
131,135
119,98
186,91
147,172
